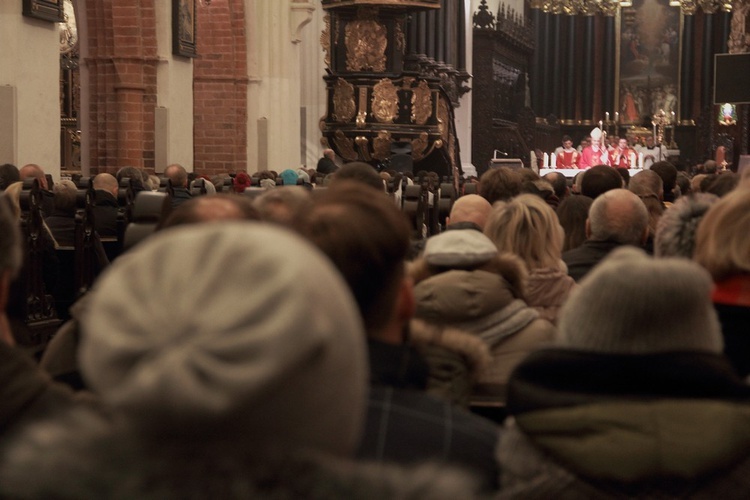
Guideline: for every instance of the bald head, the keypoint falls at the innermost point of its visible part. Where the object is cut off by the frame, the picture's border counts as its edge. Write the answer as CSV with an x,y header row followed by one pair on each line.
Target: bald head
x,y
470,208
177,174
106,182
618,215
33,171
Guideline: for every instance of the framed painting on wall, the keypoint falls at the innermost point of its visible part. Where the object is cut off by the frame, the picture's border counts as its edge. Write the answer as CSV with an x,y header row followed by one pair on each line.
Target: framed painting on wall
x,y
46,10
648,61
183,28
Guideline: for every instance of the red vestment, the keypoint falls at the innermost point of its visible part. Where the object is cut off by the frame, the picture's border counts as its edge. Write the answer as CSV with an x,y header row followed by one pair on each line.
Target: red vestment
x,y
568,159
621,157
590,158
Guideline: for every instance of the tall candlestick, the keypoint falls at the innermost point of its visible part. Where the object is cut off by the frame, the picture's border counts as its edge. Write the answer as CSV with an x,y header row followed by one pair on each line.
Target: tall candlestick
x,y
640,160
617,117
600,125
546,160
553,160
606,116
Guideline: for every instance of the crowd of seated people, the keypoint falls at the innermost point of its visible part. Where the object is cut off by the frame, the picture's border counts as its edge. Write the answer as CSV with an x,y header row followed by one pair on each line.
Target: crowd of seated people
x,y
306,335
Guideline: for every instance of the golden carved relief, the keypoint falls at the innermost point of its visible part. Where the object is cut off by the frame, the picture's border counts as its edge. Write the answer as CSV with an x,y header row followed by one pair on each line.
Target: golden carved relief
x,y
325,40
344,146
362,115
366,40
407,82
418,146
344,106
421,103
400,39
361,119
443,118
452,153
385,101
364,147
381,145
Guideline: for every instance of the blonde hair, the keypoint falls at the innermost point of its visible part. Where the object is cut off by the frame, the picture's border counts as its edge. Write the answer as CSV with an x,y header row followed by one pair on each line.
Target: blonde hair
x,y
528,227
722,243
13,192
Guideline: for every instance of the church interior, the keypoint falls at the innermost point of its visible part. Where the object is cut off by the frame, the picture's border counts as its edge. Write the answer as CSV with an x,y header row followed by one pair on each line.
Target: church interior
x,y
252,85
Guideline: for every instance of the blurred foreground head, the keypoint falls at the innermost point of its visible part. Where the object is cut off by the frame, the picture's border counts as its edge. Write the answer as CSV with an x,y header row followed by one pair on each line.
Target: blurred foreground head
x,y
239,332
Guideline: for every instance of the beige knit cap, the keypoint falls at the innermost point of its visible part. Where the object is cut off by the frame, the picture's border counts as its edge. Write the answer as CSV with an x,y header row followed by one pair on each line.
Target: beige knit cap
x,y
234,331
631,303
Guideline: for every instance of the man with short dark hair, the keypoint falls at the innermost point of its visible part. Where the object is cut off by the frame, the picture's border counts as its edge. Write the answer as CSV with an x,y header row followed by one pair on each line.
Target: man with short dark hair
x,y
500,184
8,175
600,179
367,238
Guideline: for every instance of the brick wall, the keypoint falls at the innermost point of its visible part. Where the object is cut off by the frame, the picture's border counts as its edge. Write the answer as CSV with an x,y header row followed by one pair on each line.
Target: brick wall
x,y
220,89
122,78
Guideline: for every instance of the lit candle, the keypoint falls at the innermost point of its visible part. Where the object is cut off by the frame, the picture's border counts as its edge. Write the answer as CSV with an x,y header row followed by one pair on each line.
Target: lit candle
x,y
673,120
617,117
606,116
553,160
632,160
545,164
600,124
640,160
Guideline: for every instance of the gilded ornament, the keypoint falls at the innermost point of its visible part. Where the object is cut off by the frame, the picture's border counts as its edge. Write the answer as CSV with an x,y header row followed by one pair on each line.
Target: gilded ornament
x,y
364,147
407,82
418,146
443,118
361,119
400,39
344,107
366,40
381,145
344,146
452,151
325,39
421,103
385,101
362,115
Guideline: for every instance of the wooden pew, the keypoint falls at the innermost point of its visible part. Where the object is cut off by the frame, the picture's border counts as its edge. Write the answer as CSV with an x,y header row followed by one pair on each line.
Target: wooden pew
x,y
36,320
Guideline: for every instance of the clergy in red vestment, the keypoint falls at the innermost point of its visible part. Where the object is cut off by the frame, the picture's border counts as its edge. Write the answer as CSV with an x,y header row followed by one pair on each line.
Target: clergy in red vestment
x,y
568,157
595,154
622,155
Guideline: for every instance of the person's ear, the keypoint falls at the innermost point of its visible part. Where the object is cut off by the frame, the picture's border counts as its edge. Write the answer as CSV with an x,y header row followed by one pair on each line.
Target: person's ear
x,y
406,304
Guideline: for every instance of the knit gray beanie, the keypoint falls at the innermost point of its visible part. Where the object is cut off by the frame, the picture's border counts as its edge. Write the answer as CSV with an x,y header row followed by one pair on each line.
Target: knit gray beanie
x,y
459,248
235,331
633,304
